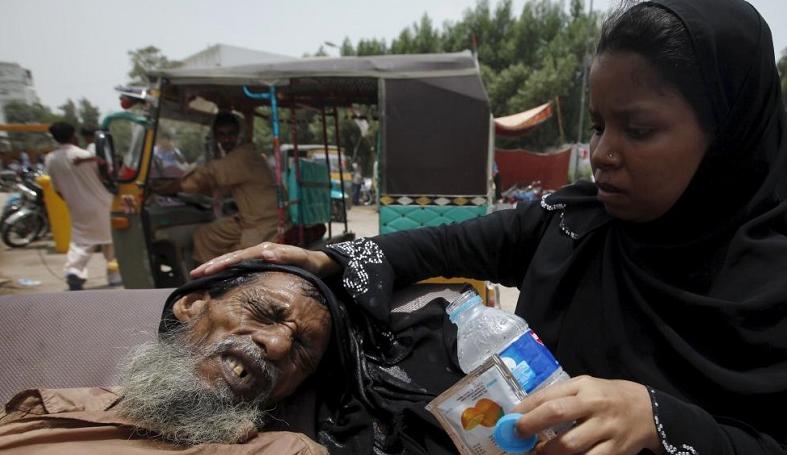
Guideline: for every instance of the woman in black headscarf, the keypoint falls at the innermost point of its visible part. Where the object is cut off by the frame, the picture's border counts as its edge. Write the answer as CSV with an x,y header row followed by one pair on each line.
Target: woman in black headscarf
x,y
662,285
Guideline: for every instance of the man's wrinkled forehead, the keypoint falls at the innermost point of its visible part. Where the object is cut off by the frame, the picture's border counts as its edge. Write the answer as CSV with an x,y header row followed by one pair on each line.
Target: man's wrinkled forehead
x,y
283,281
245,275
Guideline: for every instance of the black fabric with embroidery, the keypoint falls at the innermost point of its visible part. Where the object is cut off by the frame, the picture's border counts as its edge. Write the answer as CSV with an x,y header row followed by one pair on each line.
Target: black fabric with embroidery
x,y
693,304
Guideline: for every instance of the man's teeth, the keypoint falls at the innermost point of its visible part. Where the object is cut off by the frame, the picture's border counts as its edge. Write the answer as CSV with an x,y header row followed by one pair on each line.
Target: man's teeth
x,y
237,368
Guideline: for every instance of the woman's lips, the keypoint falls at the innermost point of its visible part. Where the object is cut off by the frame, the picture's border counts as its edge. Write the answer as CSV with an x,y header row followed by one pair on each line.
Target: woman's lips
x,y
608,193
607,188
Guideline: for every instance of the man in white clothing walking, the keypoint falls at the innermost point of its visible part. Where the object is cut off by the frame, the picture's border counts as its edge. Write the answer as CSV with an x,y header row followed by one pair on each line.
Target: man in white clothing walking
x,y
74,174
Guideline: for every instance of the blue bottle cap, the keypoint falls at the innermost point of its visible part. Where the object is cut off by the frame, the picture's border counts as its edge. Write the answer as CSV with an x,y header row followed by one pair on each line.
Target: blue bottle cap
x,y
507,438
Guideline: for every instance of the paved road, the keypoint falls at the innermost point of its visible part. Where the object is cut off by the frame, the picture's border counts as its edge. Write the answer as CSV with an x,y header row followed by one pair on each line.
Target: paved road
x,y
41,265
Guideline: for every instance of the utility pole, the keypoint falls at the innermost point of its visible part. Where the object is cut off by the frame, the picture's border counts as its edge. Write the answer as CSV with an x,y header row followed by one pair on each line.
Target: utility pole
x,y
585,69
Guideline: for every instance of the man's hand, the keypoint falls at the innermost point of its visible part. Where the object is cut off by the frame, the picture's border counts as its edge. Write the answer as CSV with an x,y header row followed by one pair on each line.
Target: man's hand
x,y
166,187
612,417
79,160
315,262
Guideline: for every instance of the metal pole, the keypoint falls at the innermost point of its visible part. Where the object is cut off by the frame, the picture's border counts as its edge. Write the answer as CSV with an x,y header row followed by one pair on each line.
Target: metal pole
x,y
327,163
585,67
277,154
298,182
560,121
271,95
341,171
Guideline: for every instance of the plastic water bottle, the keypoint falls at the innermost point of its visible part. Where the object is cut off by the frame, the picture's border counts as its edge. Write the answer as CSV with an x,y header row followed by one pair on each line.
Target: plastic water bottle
x,y
483,331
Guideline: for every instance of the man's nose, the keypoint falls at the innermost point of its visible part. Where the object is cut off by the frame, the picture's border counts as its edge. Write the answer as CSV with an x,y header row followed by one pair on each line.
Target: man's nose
x,y
276,341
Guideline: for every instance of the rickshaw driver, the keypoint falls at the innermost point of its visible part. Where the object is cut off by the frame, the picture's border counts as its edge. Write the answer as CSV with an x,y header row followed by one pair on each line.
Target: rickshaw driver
x,y
243,172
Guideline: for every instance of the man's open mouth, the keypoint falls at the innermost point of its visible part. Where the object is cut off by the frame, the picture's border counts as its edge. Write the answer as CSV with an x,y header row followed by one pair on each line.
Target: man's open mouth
x,y
244,375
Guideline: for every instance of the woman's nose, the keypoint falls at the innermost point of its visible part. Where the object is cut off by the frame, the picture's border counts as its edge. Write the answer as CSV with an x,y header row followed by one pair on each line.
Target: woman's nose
x,y
603,153
276,341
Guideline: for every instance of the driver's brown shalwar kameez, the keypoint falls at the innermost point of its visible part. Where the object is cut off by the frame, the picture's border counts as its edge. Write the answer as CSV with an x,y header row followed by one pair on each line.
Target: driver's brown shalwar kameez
x,y
245,173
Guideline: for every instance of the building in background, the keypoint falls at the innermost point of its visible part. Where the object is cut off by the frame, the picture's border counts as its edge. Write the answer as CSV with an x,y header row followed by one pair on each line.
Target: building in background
x,y
16,84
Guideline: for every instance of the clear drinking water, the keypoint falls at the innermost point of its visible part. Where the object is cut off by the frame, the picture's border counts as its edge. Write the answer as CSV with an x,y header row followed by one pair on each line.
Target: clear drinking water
x,y
483,331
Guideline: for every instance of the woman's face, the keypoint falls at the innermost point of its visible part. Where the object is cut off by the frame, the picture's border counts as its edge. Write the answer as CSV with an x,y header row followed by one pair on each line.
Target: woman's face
x,y
646,143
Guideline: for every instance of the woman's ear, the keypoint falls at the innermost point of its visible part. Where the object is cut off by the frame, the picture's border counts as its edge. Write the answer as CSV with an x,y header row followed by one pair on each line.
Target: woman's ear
x,y
190,306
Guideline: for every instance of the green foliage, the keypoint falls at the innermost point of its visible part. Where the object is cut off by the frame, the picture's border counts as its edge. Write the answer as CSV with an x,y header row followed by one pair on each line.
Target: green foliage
x,y
78,114
89,115
70,114
372,47
20,112
347,48
146,59
526,59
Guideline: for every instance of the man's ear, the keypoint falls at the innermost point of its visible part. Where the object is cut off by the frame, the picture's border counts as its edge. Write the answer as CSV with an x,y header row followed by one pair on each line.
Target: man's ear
x,y
190,306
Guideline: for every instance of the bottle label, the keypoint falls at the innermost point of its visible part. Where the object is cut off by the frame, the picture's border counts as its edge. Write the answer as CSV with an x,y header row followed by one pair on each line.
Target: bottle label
x,y
529,360
470,409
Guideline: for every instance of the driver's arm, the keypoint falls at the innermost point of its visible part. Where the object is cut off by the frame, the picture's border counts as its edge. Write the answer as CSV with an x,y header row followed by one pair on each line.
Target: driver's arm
x,y
200,180
166,187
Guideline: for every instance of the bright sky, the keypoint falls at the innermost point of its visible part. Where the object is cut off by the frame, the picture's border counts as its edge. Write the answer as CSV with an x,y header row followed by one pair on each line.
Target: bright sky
x,y
78,49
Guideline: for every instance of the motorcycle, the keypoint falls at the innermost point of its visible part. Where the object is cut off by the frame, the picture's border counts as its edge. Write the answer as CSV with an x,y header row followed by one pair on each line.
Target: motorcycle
x,y
367,192
24,218
8,180
12,205
523,193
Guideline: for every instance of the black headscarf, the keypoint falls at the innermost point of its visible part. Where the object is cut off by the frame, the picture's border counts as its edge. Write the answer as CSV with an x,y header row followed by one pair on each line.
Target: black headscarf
x,y
697,300
369,392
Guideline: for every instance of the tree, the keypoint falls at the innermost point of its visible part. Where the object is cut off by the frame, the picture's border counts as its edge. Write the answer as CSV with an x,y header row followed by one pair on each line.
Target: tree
x,y
20,112
347,48
525,60
425,38
70,114
372,47
89,115
146,59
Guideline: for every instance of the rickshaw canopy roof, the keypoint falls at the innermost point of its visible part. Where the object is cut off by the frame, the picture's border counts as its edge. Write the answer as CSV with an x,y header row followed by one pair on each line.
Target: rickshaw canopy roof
x,y
407,66
434,108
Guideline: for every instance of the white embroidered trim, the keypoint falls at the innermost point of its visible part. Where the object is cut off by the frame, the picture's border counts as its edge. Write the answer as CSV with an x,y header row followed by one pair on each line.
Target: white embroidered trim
x,y
551,207
684,449
361,253
563,227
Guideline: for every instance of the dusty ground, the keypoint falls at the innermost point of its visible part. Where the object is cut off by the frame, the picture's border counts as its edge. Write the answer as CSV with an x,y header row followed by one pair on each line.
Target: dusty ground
x,y
42,267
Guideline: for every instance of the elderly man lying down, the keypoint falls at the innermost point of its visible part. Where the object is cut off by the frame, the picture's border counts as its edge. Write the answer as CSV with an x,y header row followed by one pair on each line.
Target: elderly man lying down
x,y
259,358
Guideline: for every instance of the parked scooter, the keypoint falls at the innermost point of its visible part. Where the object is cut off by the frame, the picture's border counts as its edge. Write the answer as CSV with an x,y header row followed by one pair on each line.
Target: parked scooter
x,y
523,193
24,217
8,180
367,192
12,205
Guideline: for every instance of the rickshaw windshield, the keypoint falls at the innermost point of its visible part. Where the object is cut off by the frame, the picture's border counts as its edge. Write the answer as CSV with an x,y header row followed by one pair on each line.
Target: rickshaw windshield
x,y
129,140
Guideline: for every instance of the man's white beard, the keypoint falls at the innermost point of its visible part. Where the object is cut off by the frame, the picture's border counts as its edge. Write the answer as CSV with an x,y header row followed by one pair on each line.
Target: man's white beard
x,y
163,393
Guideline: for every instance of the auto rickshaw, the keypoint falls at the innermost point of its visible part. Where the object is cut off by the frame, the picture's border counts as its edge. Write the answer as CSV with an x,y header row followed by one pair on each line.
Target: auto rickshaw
x,y
434,144
153,234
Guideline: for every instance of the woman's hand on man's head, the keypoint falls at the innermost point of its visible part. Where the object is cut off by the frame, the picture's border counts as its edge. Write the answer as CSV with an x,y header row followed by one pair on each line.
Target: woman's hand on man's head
x,y
315,262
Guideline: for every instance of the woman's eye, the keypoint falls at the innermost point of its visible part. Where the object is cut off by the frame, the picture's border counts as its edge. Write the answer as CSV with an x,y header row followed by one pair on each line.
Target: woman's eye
x,y
639,133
